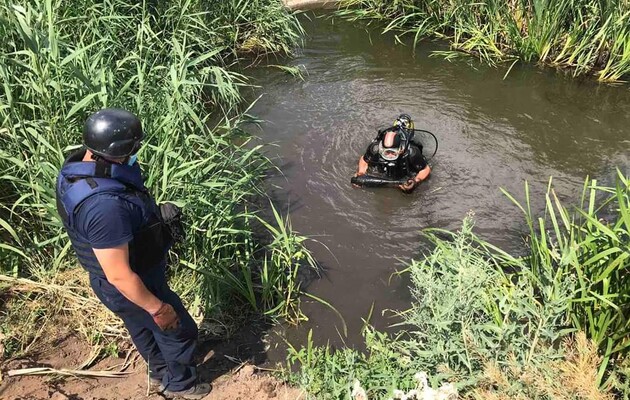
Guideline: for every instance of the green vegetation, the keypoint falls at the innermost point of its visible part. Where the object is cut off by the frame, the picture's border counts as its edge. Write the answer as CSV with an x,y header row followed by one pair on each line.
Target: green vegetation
x,y
174,64
586,36
549,325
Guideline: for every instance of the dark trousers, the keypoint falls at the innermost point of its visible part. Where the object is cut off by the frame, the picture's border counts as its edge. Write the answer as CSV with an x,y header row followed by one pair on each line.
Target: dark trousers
x,y
168,353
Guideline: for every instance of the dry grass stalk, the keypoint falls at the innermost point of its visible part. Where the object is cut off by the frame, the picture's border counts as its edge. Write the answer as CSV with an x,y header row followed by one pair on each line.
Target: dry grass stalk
x,y
578,371
38,310
572,378
75,298
66,372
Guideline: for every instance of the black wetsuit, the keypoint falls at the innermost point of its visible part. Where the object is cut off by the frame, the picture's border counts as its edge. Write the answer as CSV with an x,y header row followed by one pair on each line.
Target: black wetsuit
x,y
407,165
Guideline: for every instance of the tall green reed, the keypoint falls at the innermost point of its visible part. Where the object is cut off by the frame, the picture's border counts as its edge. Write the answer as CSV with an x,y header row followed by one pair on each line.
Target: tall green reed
x,y
591,245
585,36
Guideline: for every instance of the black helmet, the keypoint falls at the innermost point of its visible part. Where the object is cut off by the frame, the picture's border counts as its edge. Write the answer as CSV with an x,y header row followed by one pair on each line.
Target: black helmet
x,y
112,132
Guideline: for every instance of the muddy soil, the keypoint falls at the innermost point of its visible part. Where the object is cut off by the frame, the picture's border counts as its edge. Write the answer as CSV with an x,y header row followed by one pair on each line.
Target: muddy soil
x,y
230,367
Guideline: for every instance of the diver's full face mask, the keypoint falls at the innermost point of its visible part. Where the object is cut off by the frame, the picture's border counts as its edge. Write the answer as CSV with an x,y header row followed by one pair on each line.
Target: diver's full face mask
x,y
389,153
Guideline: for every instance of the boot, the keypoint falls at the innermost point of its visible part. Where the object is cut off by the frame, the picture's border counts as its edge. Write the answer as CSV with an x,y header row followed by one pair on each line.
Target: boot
x,y
199,391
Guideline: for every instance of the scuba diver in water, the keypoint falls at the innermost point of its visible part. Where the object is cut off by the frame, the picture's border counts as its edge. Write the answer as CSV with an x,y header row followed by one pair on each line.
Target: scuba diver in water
x,y
393,158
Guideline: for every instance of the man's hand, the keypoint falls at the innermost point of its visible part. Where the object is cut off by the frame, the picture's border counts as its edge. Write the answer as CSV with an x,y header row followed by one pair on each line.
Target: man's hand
x,y
166,317
408,186
357,175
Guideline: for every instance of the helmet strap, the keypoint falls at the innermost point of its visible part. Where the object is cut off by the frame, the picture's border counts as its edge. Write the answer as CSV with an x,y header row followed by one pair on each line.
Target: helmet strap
x,y
103,168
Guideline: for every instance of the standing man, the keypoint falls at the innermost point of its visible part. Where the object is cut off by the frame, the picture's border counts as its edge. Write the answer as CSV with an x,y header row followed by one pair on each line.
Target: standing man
x,y
122,240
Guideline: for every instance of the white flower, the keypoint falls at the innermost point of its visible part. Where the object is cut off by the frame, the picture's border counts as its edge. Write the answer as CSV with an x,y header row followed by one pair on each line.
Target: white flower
x,y
428,394
413,394
358,393
447,392
422,378
398,394
423,392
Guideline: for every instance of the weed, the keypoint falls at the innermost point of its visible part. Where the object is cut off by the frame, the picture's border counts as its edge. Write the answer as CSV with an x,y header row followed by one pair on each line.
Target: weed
x,y
545,326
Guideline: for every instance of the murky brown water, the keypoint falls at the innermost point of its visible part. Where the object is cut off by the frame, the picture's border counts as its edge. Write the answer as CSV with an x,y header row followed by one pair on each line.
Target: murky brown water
x,y
493,133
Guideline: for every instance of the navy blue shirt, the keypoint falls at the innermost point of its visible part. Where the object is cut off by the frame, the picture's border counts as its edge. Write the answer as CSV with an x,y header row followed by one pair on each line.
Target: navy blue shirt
x,y
107,221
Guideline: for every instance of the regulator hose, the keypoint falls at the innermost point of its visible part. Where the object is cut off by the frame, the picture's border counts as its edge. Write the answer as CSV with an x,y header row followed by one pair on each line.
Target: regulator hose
x,y
436,142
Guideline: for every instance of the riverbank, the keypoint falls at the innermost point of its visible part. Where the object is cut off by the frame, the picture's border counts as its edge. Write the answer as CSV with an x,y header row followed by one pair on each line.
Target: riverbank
x,y
586,37
484,324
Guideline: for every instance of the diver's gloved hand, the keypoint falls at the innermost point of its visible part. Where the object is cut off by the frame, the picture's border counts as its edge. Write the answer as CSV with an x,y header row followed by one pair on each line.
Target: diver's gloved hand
x,y
408,186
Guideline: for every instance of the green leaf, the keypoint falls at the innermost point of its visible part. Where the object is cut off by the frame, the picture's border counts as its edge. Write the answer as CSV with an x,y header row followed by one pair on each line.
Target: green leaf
x,y
81,105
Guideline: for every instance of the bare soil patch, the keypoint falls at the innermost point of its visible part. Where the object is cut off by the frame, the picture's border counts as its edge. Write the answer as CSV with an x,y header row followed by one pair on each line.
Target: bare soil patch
x,y
227,365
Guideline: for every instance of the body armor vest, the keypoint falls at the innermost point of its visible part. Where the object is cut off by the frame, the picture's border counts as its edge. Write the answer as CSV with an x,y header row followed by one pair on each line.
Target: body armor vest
x,y
79,180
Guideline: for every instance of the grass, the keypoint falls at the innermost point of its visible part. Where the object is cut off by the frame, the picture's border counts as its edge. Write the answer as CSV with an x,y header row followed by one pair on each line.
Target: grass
x,y
172,63
584,36
549,325
590,246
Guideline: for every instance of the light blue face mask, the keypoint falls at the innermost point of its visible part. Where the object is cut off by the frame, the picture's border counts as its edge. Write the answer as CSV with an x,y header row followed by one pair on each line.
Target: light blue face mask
x,y
132,159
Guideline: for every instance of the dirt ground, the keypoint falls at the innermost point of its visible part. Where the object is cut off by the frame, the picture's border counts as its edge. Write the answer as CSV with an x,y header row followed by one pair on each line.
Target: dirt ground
x,y
229,366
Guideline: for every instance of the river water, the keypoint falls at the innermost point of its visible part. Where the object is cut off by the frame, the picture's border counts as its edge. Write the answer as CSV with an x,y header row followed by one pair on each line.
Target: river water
x,y
493,132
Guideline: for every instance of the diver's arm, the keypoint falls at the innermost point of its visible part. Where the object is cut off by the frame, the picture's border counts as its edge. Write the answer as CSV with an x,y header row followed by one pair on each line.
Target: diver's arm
x,y
411,184
363,166
423,174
